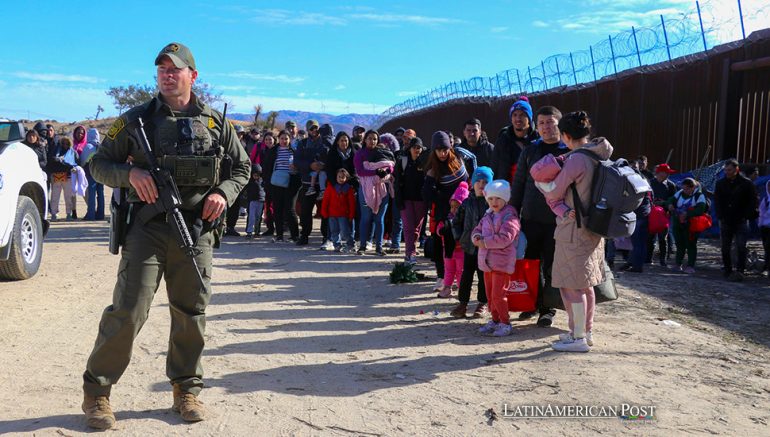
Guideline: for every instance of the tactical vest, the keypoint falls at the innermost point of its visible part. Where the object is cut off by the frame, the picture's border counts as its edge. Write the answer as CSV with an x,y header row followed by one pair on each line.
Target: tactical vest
x,y
187,148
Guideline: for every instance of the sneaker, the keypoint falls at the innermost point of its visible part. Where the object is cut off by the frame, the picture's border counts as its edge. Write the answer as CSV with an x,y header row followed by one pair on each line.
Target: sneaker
x,y
488,328
53,218
311,191
572,345
249,235
677,268
231,232
526,315
302,241
439,284
502,330
98,412
545,320
242,212
458,312
689,270
393,250
320,196
326,245
268,232
411,260
278,239
338,249
361,250
446,292
379,252
568,338
480,311
735,277
70,218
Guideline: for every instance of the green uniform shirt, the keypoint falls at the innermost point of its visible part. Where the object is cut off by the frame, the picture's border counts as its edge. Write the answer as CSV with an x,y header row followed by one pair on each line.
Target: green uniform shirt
x,y
110,163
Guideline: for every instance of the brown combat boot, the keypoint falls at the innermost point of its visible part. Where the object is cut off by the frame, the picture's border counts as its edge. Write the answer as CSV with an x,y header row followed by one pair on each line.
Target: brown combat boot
x,y
98,412
187,405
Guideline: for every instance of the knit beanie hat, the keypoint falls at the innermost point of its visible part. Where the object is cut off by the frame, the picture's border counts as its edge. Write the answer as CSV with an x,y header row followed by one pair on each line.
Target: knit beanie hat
x,y
461,193
499,188
482,172
415,142
440,140
522,105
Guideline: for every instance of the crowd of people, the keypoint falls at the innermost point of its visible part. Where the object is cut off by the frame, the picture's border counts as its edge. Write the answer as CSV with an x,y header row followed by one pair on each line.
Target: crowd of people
x,y
463,202
395,193
65,159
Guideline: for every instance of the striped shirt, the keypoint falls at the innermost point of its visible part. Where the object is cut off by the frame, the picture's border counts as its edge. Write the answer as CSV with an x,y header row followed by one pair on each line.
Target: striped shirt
x,y
284,159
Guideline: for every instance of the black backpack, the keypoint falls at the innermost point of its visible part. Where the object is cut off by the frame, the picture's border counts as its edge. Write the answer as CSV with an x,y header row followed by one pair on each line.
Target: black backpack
x,y
616,191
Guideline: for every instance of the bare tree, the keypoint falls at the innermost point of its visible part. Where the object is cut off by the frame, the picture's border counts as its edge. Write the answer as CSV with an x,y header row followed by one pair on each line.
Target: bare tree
x,y
257,112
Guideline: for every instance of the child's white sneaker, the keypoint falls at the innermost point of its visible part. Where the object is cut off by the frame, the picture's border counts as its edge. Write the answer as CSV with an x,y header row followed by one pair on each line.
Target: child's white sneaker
x,y
568,337
502,330
489,328
572,345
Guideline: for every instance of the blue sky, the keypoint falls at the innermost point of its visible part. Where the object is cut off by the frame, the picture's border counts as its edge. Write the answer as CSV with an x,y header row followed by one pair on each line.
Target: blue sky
x,y
59,58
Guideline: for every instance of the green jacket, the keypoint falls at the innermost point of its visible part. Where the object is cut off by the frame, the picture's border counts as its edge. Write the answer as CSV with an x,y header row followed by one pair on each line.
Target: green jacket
x,y
110,165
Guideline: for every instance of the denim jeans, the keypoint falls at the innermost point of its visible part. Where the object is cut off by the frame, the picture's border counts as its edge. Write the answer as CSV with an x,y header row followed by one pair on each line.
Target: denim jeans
x,y
639,242
339,230
254,220
397,226
94,199
369,219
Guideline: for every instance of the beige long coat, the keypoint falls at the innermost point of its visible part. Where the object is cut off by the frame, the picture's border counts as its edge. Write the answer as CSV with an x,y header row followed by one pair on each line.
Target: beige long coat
x,y
579,256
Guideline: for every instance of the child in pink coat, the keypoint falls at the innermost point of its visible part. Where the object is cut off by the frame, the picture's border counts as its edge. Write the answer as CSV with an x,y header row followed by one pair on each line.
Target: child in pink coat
x,y
454,257
496,237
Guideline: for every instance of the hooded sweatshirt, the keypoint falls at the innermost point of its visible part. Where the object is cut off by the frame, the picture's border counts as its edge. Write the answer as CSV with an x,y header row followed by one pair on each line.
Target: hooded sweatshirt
x,y
93,139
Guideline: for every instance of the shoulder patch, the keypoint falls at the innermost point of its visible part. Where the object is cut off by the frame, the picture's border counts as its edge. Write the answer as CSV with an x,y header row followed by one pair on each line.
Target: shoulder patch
x,y
116,127
211,123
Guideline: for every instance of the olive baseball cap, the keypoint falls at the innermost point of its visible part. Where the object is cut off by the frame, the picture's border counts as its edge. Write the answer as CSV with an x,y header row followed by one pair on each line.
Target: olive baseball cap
x,y
179,54
311,123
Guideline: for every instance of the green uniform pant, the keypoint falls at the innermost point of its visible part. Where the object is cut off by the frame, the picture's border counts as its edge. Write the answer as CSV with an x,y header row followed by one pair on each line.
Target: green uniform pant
x,y
151,252
685,242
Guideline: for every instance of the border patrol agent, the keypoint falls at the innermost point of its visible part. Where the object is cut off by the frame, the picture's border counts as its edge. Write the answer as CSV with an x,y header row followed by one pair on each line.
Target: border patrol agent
x,y
189,138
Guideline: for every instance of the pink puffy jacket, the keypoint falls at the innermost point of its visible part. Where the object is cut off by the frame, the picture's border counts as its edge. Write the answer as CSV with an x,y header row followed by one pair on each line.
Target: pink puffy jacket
x,y
499,231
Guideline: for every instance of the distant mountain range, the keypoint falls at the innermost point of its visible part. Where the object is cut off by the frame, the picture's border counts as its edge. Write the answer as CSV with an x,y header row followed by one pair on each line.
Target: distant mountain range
x,y
344,122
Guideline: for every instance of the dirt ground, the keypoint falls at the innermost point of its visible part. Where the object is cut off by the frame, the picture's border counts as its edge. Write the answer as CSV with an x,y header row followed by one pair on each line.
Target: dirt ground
x,y
305,342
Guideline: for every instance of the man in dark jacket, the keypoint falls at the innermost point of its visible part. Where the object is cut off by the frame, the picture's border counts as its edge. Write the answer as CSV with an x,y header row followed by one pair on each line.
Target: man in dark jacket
x,y
310,157
538,223
513,139
476,144
735,203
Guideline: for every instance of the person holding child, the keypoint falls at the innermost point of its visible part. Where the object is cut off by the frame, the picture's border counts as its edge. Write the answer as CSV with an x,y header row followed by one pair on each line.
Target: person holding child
x,y
467,218
578,263
339,207
685,205
496,237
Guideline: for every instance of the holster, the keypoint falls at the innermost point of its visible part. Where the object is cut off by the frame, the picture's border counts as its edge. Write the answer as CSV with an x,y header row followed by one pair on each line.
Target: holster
x,y
120,211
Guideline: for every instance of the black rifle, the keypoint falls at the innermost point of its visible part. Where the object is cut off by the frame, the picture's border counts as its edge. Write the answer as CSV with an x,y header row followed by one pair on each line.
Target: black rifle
x,y
168,202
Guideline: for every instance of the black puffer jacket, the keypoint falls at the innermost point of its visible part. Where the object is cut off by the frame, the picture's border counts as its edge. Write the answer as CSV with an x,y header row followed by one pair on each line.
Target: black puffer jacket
x,y
468,216
525,196
41,150
484,151
507,150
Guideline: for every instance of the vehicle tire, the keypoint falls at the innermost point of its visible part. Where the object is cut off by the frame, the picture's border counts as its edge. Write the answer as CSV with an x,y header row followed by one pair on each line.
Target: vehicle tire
x,y
26,242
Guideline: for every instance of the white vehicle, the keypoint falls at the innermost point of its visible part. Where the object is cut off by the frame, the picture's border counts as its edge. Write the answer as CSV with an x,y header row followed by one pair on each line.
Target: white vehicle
x,y
23,205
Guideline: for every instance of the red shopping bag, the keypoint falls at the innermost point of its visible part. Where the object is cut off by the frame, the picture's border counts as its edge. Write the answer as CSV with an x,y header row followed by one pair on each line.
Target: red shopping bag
x,y
522,288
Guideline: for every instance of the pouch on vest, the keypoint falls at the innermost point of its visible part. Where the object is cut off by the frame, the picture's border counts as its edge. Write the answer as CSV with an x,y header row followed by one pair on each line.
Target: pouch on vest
x,y
193,171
